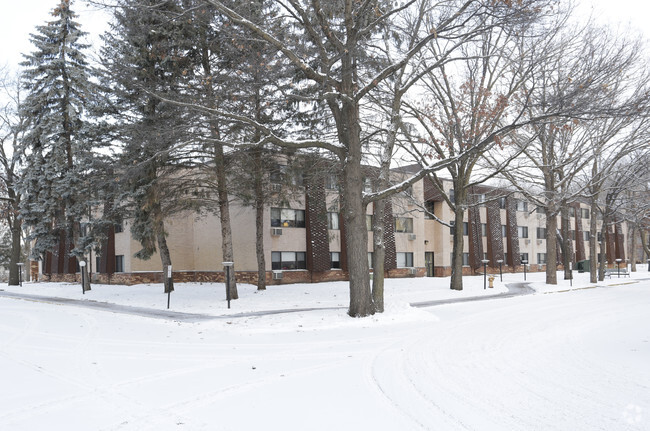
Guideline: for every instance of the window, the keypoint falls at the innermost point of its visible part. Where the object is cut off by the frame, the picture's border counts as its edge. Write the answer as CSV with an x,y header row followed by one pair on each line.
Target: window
x,y
404,260
541,233
505,258
452,228
540,210
572,234
369,219
572,212
404,224
465,228
333,221
370,259
504,230
586,235
277,173
524,257
522,206
541,258
119,227
331,182
288,260
285,217
599,236
483,229
367,185
429,208
98,261
522,231
335,260
452,196
480,199
502,203
584,213
119,263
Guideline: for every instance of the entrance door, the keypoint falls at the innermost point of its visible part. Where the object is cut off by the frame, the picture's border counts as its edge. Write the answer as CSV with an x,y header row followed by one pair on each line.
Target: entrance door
x,y
428,262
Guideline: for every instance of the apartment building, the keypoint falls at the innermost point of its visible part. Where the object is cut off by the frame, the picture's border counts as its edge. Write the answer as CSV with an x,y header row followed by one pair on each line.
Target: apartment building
x,y
303,237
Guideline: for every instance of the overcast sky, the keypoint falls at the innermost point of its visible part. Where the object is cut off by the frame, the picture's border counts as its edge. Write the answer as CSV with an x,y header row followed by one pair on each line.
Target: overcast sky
x,y
20,17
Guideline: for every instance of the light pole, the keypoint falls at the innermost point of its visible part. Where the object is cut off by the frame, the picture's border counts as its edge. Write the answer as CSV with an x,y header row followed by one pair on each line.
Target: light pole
x,y
500,262
485,262
228,265
618,267
20,273
524,262
648,265
82,263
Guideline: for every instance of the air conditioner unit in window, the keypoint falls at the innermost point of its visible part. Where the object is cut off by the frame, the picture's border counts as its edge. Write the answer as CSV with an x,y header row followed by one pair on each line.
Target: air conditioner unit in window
x,y
527,242
276,231
413,271
276,187
412,237
277,275
539,242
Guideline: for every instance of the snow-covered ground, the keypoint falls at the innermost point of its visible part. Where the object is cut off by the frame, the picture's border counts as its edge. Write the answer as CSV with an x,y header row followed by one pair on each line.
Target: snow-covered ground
x,y
558,359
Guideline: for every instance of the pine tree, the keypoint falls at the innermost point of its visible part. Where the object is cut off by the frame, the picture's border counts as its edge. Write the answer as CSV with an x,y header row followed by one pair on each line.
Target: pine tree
x,y
58,153
144,56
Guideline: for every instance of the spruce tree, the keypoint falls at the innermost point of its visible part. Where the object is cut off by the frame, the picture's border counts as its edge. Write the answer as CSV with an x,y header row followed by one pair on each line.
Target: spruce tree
x,y
58,152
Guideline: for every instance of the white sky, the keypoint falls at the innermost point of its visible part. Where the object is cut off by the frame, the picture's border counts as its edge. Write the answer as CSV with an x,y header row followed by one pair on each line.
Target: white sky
x,y
19,19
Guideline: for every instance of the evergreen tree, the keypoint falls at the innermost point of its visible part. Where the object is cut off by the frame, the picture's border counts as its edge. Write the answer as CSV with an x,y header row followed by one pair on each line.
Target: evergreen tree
x,y
58,151
145,56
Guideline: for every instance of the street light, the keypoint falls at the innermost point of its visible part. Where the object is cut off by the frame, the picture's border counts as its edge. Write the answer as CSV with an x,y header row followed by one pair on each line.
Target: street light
x,y
82,263
228,265
618,267
485,262
524,262
500,262
20,273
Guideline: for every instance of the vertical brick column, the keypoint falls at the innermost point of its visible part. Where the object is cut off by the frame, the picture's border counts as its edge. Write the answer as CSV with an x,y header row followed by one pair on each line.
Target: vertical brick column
x,y
318,246
581,253
620,241
512,238
390,259
611,244
494,239
475,238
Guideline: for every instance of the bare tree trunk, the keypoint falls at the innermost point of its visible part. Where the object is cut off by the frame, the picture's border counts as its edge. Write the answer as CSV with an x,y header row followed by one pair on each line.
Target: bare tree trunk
x,y
632,241
165,259
379,255
593,242
551,248
14,278
259,220
457,250
567,242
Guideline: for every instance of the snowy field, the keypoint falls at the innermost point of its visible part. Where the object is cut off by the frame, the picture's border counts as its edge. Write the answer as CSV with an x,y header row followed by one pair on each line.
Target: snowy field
x,y
564,358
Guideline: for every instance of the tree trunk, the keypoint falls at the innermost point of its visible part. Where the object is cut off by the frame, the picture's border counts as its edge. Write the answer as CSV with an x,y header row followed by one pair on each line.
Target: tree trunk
x,y
460,197
259,221
379,255
632,240
224,217
165,259
593,242
567,242
551,247
14,277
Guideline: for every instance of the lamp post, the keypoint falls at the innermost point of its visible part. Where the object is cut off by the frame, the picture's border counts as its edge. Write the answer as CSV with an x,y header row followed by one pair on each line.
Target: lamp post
x,y
82,263
228,265
648,265
618,267
485,262
20,273
500,262
524,262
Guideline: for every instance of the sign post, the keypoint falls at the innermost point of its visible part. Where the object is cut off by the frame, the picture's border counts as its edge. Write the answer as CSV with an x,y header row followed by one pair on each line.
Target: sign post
x,y
228,265
167,283
82,263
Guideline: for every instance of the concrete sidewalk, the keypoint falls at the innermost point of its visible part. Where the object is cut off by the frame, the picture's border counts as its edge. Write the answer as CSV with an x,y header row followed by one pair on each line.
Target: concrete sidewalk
x,y
515,289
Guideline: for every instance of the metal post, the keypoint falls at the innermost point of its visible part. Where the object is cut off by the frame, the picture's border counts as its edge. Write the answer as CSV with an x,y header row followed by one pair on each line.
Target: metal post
x,y
618,267
168,281
648,265
524,262
228,265
500,261
82,263
571,274
485,262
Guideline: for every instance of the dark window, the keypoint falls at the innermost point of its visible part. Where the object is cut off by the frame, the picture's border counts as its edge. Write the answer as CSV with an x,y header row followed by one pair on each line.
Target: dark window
x,y
541,233
502,203
524,257
119,263
430,210
540,210
333,221
335,260
523,231
504,230
404,260
288,260
331,182
404,224
465,228
452,196
584,213
522,206
483,229
285,217
452,228
369,218
541,258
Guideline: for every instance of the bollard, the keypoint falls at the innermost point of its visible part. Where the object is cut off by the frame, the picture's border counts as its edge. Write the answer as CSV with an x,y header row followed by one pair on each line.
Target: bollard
x,y
491,280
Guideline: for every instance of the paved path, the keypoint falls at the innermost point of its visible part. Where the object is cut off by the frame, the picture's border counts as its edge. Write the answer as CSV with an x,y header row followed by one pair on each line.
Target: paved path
x,y
514,289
